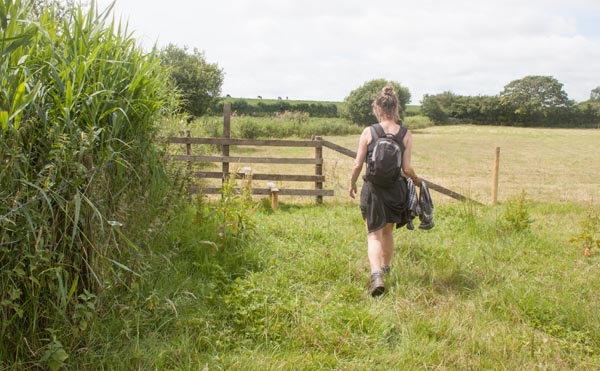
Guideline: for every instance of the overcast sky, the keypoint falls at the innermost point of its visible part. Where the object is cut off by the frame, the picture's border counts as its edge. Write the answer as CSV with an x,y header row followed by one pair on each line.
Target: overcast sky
x,y
323,49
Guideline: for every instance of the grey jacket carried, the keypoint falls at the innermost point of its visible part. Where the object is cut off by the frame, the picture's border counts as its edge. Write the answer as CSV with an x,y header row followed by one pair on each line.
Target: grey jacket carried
x,y
421,206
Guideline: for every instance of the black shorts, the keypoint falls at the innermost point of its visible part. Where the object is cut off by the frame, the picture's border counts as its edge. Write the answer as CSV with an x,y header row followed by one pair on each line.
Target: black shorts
x,y
380,206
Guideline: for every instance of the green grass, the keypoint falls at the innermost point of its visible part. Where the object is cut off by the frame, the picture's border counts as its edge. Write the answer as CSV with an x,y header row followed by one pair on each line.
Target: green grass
x,y
482,290
233,285
413,110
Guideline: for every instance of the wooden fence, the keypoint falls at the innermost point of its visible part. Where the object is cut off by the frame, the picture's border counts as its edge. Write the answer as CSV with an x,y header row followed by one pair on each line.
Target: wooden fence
x,y
430,184
226,159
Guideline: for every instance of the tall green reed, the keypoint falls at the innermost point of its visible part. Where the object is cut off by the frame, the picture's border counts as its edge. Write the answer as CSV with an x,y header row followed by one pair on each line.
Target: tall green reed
x,y
79,102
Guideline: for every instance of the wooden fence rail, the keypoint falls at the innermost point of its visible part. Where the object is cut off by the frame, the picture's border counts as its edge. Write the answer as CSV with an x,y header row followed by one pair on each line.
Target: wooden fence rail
x,y
248,160
430,184
256,176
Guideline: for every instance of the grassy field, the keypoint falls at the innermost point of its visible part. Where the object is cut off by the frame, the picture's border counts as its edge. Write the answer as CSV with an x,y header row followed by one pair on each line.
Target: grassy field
x,y
234,285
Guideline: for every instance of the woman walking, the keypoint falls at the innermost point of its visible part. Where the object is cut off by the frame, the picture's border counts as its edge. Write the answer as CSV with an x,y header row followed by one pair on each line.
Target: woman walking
x,y
383,198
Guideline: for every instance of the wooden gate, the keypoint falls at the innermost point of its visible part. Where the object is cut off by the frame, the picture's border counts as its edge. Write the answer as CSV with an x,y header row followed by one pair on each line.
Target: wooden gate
x,y
226,159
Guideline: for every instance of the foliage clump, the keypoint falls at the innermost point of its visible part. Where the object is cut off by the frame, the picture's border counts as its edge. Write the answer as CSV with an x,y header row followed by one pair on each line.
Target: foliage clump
x,y
359,109
589,236
515,216
529,101
198,81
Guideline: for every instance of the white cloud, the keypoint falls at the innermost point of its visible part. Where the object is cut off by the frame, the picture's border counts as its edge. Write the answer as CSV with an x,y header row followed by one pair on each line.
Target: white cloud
x,y
319,49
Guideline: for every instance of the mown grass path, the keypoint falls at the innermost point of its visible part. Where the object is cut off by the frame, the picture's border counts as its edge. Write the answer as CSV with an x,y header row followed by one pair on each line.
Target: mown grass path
x,y
477,292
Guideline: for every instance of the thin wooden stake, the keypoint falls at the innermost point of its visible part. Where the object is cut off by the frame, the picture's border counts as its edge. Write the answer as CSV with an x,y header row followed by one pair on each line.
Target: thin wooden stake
x,y
226,134
274,200
495,177
319,167
188,149
274,195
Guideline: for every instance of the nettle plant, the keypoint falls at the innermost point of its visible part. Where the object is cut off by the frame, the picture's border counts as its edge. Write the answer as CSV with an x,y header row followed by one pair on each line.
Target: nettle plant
x,y
589,235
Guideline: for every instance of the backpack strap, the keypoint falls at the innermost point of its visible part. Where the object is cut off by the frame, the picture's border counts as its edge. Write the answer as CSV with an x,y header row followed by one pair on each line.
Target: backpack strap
x,y
376,132
400,137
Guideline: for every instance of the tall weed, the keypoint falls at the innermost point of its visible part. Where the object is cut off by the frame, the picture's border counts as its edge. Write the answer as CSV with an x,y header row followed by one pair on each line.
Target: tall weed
x,y
515,215
588,237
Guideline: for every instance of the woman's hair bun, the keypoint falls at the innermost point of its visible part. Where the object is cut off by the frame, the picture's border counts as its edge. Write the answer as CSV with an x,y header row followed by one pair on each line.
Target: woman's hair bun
x,y
386,104
388,90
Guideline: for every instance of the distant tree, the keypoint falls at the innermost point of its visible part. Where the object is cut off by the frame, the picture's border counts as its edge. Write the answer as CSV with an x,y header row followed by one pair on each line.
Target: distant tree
x,y
198,81
358,102
431,107
534,98
595,94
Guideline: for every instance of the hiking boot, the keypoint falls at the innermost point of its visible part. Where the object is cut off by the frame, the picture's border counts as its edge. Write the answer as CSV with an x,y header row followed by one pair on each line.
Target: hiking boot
x,y
376,288
386,269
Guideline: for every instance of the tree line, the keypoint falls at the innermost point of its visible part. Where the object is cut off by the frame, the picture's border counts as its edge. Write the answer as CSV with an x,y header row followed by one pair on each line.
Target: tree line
x,y
243,107
530,101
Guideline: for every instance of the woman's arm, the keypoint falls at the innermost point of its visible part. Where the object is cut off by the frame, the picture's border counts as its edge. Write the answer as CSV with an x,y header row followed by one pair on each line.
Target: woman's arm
x,y
406,157
361,154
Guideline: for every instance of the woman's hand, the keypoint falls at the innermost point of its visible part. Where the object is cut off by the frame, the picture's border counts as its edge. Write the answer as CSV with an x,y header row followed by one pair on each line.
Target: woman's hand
x,y
352,190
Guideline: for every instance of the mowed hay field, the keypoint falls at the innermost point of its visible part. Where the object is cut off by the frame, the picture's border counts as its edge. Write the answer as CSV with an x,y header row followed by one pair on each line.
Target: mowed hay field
x,y
550,165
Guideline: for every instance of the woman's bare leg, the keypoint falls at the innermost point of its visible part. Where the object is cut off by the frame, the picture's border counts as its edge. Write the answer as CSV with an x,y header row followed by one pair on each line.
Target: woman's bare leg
x,y
380,247
387,244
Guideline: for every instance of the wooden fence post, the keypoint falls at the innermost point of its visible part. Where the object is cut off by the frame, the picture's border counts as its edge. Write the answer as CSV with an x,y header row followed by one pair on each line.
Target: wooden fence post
x,y
226,134
274,195
319,167
188,149
495,177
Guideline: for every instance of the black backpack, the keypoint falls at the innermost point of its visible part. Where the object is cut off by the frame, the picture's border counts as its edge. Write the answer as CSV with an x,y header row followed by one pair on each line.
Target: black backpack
x,y
384,165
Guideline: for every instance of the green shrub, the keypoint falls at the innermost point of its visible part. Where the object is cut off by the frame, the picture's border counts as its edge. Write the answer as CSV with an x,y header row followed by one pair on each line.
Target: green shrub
x,y
248,127
262,108
588,237
358,104
417,122
292,124
515,216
